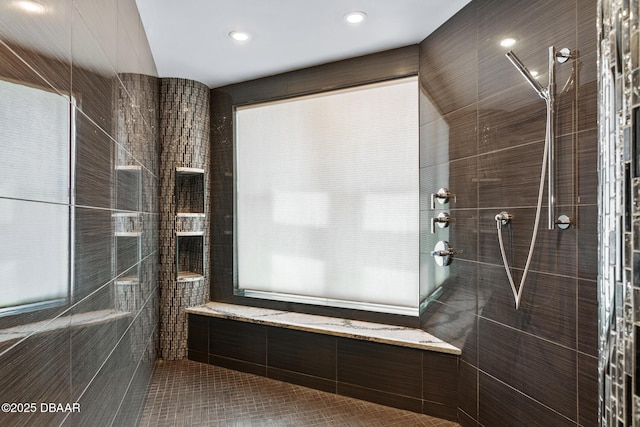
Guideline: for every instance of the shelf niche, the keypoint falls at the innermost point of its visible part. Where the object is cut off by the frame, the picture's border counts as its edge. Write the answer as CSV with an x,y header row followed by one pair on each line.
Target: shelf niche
x,y
189,190
189,226
189,258
128,187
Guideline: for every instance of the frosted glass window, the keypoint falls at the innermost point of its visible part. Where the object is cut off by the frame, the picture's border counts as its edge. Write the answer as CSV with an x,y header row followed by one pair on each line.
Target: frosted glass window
x,y
35,197
327,197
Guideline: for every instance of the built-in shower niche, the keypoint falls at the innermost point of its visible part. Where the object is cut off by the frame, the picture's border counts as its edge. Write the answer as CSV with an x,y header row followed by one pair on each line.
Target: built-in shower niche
x,y
128,187
190,190
189,226
190,258
127,225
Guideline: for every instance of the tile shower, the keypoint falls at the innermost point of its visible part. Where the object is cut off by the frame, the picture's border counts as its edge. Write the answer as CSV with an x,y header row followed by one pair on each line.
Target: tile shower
x,y
539,363
481,135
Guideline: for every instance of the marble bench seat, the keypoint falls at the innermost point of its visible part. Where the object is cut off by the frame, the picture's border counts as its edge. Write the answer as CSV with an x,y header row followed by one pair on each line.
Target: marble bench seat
x,y
367,331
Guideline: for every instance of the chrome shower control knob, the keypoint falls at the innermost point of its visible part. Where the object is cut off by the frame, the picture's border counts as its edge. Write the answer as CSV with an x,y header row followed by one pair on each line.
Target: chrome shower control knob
x,y
442,195
443,219
443,253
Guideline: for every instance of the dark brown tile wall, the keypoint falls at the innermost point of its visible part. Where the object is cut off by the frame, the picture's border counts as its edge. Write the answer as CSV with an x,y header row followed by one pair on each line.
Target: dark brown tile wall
x,y
104,365
536,365
406,378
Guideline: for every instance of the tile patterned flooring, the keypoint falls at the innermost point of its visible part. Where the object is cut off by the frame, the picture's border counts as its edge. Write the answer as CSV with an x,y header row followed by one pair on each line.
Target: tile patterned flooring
x,y
187,393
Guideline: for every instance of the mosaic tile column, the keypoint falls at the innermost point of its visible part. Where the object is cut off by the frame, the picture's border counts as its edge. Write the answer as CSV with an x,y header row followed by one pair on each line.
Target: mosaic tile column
x,y
619,204
184,208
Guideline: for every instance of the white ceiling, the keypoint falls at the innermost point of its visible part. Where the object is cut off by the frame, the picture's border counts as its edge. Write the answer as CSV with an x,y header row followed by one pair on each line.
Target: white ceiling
x,y
189,38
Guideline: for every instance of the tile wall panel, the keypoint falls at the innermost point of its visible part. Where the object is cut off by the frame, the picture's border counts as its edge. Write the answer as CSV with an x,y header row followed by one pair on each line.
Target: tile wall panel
x,y
540,369
94,149
380,367
36,370
43,41
303,352
547,308
381,397
94,78
587,102
103,17
587,154
537,24
467,393
450,81
501,405
238,340
439,379
90,345
587,382
557,320
456,326
587,315
95,349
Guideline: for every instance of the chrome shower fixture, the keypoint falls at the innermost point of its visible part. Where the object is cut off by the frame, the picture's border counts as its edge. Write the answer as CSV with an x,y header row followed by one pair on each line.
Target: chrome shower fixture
x,y
549,95
561,56
548,161
544,94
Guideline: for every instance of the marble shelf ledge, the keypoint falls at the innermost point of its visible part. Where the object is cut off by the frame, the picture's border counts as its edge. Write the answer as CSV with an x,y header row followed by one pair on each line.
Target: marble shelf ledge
x,y
366,331
71,321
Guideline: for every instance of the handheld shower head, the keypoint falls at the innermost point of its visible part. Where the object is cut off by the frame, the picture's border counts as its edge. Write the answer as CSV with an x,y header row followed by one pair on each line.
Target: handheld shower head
x,y
527,75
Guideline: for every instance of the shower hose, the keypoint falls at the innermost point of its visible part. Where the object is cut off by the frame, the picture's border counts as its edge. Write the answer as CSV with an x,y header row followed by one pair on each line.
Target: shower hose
x,y
517,292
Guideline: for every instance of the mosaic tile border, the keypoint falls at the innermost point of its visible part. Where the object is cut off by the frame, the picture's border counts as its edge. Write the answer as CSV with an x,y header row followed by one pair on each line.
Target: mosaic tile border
x,y
619,206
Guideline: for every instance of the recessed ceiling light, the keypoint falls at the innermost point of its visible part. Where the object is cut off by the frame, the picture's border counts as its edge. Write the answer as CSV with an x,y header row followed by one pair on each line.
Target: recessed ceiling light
x,y
355,17
239,36
508,41
534,73
30,6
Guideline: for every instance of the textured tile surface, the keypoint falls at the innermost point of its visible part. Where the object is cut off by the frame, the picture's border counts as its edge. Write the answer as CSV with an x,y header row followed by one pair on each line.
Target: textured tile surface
x,y
186,393
482,135
618,217
96,347
184,188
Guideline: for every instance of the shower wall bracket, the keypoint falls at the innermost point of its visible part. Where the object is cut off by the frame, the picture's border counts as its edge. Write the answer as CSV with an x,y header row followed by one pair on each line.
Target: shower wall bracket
x,y
563,222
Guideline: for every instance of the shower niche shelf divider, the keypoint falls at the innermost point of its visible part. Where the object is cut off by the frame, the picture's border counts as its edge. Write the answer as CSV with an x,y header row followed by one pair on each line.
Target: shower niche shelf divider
x,y
189,224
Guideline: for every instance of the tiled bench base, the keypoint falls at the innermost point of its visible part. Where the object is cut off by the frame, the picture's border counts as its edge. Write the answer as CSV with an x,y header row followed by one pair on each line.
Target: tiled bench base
x,y
361,363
